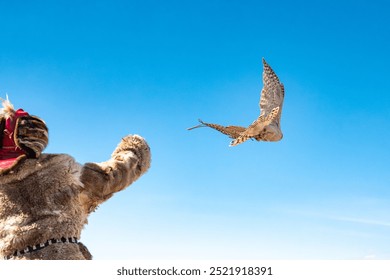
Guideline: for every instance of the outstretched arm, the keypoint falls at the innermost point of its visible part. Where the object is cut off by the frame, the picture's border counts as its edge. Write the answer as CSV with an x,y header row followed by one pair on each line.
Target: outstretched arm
x,y
128,162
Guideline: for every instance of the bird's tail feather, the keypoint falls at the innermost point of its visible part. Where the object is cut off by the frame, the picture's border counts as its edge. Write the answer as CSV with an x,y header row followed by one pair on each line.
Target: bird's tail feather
x,y
197,126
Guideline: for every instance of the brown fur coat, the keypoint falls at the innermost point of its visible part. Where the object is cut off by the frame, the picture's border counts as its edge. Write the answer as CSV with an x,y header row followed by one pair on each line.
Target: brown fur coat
x,y
51,197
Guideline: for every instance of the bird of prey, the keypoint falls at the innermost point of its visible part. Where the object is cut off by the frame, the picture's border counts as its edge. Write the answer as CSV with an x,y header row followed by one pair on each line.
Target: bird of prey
x,y
267,126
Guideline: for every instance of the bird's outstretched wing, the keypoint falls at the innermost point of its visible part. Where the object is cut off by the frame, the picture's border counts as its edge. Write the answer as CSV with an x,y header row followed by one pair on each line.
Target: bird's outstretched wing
x,y
272,94
232,131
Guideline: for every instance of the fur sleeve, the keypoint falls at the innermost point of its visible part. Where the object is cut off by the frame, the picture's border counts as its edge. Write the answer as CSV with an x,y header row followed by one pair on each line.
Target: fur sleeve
x,y
128,162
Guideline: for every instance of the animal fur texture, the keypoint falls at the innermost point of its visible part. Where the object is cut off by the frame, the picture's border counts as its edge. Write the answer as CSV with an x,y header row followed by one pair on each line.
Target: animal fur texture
x,y
52,195
8,109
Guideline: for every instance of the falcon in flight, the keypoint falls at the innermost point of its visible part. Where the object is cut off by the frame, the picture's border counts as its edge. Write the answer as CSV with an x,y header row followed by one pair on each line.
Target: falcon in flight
x,y
267,126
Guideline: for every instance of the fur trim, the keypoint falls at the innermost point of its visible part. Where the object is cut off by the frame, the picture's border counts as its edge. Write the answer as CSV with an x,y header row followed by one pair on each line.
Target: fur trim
x,y
31,135
8,109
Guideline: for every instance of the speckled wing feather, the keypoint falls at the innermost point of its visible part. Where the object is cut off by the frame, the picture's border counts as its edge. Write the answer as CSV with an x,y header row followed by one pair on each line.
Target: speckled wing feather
x,y
272,94
232,131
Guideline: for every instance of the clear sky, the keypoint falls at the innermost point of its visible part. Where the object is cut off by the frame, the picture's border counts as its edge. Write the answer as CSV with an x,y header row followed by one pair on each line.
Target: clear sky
x,y
98,70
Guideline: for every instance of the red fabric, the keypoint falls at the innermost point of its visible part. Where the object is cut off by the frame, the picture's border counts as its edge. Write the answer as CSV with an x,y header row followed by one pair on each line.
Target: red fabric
x,y
7,163
9,151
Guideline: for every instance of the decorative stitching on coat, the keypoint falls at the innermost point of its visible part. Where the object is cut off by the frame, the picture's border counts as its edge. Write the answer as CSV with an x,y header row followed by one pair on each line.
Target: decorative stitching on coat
x,y
40,246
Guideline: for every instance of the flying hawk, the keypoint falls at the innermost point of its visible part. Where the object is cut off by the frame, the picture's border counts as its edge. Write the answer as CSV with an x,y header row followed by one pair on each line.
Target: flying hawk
x,y
267,126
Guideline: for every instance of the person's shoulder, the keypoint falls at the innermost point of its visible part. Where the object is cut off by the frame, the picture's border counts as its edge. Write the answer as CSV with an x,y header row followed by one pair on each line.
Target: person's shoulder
x,y
52,160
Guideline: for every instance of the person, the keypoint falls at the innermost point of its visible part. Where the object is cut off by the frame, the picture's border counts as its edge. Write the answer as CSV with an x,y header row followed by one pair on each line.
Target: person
x,y
45,199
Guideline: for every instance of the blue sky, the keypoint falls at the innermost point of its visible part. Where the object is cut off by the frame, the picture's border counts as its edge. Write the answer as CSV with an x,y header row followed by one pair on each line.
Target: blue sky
x,y
98,70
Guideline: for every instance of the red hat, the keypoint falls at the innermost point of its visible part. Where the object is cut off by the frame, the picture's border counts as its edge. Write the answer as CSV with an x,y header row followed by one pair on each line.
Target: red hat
x,y
21,136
